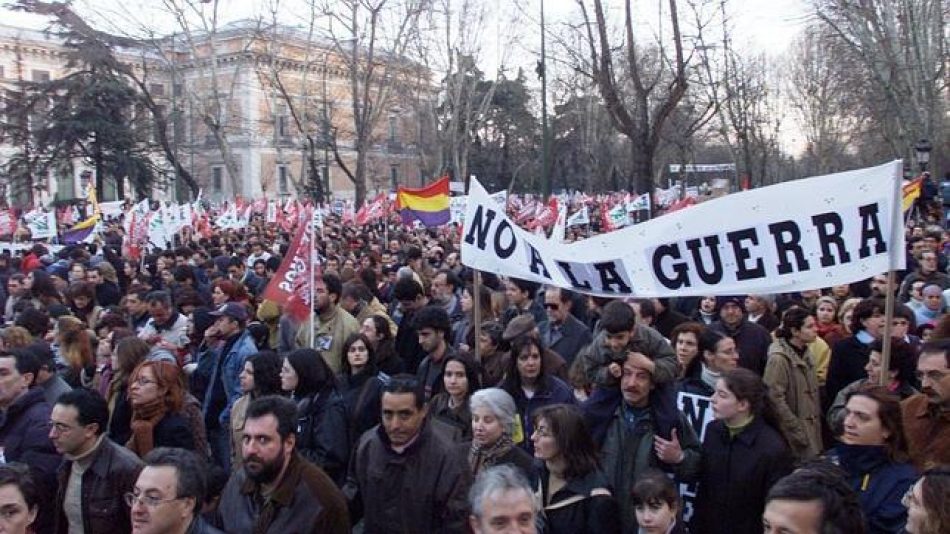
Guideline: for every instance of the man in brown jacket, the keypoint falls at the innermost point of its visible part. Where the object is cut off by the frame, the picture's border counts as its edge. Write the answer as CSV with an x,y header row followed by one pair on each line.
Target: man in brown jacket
x,y
97,472
926,415
278,491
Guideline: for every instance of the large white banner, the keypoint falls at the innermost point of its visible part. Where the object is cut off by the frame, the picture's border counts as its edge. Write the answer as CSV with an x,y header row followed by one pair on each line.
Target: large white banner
x,y
805,234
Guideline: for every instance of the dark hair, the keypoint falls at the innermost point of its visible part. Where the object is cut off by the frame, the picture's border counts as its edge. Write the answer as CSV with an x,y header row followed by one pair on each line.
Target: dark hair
x,y
472,373
183,273
889,412
266,365
647,308
90,405
709,339
82,289
937,346
35,321
654,487
130,352
406,383
43,354
864,310
573,438
689,327
935,493
451,279
617,316
24,361
748,386
823,482
333,283
512,381
407,289
793,319
282,408
902,358
382,328
356,291
160,297
190,472
313,373
371,363
434,317
525,286
17,474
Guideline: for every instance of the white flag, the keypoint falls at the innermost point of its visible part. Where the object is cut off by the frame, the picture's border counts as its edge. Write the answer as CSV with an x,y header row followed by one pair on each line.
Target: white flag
x,y
579,218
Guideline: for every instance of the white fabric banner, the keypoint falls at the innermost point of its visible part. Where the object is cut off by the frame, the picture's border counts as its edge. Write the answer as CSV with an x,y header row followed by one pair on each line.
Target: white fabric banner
x,y
805,234
580,218
42,224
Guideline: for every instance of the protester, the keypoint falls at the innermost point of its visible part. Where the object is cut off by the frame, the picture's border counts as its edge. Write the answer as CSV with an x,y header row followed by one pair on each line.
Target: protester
x,y
815,498
277,490
129,352
926,503
361,384
685,341
575,494
260,377
793,383
332,324
657,504
850,355
19,499
752,340
451,406
377,331
743,455
156,396
718,356
433,327
407,452
169,493
873,453
562,332
97,473
322,435
493,428
926,416
502,500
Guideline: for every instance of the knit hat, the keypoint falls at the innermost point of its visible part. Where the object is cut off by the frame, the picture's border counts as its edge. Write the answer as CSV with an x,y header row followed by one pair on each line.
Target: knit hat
x,y
738,300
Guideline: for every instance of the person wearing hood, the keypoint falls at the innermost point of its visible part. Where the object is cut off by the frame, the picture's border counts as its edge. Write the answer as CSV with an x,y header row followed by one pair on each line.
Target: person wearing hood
x,y
752,340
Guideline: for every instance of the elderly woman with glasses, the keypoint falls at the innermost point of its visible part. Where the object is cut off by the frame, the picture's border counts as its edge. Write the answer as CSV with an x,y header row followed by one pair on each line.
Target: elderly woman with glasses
x,y
157,396
493,425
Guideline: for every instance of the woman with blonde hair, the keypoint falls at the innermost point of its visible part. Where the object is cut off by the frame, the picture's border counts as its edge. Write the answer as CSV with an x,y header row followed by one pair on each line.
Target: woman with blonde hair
x,y
14,337
157,397
75,349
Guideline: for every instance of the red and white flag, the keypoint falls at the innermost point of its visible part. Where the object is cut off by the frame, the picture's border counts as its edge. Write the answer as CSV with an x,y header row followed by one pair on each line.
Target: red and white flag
x,y
291,285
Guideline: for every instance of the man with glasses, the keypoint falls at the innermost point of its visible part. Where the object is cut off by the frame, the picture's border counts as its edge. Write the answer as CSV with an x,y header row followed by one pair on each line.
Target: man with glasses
x,y
168,494
926,416
562,332
97,472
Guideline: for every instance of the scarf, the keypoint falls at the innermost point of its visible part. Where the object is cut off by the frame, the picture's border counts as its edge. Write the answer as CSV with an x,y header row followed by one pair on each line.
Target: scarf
x,y
481,457
144,419
709,376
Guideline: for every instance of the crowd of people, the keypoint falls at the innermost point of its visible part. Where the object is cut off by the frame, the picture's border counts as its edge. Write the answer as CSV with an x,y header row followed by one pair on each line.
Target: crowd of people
x,y
166,394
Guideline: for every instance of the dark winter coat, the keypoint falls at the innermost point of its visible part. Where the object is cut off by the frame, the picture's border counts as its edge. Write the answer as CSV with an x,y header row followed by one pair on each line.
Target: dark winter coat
x,y
174,431
736,475
752,343
323,433
879,482
569,341
111,475
362,394
848,359
584,505
422,489
24,437
551,390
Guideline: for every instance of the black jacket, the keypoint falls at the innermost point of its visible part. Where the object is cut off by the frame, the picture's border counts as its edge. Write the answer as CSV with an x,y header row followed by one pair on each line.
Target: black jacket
x,y
111,475
362,394
24,436
736,475
174,431
323,435
572,338
583,506
752,343
848,358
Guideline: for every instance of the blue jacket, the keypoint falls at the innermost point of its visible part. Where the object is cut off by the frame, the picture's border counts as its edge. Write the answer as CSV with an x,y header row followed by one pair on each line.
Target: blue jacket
x,y
231,369
880,483
551,390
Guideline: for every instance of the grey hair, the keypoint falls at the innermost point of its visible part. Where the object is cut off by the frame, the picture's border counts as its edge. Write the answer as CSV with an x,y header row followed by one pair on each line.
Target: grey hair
x,y
404,272
495,479
499,402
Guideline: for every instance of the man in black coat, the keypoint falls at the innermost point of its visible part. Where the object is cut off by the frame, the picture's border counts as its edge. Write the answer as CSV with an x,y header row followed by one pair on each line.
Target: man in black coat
x,y
752,341
25,427
563,332
409,296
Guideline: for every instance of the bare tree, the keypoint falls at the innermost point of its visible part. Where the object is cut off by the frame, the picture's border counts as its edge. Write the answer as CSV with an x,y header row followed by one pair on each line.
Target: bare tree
x,y
902,45
640,112
370,38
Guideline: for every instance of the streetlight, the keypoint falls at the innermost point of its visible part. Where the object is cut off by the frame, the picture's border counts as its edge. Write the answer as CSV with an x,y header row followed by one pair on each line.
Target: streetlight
x,y
923,149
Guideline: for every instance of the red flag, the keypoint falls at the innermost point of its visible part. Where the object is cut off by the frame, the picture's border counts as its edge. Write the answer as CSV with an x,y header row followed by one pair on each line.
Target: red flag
x,y
372,211
290,286
548,214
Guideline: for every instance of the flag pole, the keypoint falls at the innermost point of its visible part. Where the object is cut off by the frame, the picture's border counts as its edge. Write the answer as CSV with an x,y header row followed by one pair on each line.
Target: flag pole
x,y
477,313
312,275
897,226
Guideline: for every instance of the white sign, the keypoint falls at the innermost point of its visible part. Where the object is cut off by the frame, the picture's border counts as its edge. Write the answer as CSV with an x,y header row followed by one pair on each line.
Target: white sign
x,y
698,412
457,209
721,167
805,234
42,225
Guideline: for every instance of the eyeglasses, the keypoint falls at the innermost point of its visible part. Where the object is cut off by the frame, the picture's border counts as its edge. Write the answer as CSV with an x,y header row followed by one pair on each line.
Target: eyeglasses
x,y
552,305
144,382
61,428
147,500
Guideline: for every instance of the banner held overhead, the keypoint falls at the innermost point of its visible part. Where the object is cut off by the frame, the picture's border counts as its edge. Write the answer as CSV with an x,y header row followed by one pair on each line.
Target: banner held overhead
x,y
805,234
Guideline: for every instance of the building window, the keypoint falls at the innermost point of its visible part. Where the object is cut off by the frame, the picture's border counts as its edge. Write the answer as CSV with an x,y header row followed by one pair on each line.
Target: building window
x,y
283,126
217,179
64,187
392,129
40,76
394,175
157,89
283,179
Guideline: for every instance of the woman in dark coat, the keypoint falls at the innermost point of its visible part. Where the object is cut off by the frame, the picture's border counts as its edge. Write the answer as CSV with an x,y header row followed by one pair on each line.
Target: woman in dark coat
x,y
744,454
360,382
573,489
157,398
322,432
531,386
